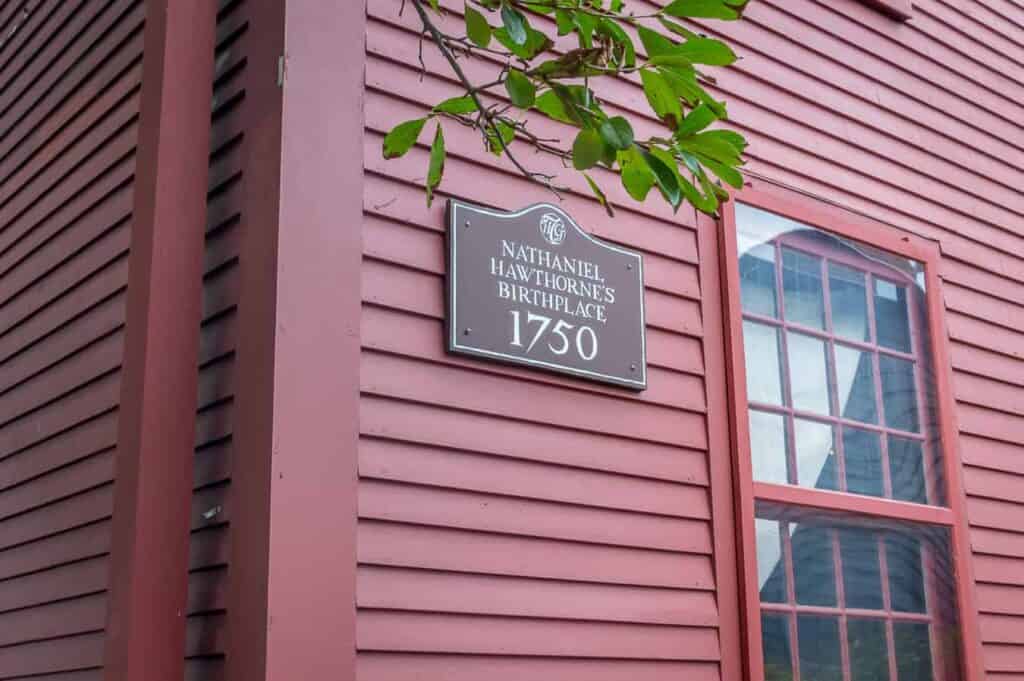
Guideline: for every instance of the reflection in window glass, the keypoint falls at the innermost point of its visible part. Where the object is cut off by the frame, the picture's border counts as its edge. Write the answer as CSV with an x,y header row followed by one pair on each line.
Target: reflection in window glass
x,y
913,652
764,377
849,302
816,464
778,665
906,576
768,447
808,373
862,451
771,573
818,642
801,289
891,319
862,574
869,651
812,565
898,393
855,377
906,467
757,280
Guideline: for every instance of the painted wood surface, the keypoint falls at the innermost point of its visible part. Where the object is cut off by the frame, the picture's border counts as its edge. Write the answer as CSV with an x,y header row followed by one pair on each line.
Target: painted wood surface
x,y
472,473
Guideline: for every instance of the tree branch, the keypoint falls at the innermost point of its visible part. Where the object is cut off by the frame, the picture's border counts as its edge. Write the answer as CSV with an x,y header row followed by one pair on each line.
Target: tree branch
x,y
488,117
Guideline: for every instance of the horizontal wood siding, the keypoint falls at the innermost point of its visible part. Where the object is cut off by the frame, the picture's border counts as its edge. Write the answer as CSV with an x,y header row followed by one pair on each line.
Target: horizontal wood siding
x,y
211,514
513,524
69,100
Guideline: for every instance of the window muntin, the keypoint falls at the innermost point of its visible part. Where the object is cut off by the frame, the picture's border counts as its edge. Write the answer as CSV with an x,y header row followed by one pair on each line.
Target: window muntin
x,y
836,346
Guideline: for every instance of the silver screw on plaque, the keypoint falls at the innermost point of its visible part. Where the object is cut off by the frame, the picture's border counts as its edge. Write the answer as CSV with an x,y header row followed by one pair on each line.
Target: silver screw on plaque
x,y
629,266
632,367
467,223
467,331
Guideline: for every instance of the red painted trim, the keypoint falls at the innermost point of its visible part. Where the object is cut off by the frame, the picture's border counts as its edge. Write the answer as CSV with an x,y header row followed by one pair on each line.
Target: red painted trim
x,y
743,475
900,10
156,423
973,662
839,221
859,504
247,619
723,517
292,608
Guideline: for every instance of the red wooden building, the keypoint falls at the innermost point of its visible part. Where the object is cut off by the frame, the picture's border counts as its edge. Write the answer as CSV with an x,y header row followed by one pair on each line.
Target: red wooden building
x,y
232,445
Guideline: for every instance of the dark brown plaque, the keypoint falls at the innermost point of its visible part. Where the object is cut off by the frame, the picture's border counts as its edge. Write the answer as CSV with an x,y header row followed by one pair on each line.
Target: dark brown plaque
x,y
532,288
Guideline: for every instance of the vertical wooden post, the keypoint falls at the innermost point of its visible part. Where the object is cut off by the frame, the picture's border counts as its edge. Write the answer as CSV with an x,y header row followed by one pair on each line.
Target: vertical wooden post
x,y
291,605
153,485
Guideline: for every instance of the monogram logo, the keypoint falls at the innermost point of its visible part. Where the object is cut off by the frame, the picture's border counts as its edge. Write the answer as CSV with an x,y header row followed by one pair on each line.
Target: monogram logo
x,y
552,228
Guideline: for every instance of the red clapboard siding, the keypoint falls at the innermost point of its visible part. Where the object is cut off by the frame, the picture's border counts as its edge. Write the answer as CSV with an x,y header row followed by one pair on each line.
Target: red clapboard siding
x,y
69,79
513,523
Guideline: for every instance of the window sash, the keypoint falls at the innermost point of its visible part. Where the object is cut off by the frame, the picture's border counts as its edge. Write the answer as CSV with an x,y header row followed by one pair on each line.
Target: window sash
x,y
796,206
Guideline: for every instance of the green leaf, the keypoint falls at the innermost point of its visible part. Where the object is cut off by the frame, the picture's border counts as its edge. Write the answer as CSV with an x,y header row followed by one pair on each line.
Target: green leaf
x,y
714,144
587,150
696,120
662,99
706,51
435,5
477,28
616,6
617,133
678,29
667,178
456,105
655,44
564,22
601,198
515,23
586,24
625,54
536,42
637,177
551,105
521,89
402,137
683,81
726,173
704,9
497,143
436,168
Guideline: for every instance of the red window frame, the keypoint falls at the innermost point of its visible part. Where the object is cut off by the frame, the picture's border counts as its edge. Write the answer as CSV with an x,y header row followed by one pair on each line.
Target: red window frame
x,y
841,222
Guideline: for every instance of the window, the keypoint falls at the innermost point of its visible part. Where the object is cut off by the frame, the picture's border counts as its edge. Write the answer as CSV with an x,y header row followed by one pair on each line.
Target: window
x,y
850,508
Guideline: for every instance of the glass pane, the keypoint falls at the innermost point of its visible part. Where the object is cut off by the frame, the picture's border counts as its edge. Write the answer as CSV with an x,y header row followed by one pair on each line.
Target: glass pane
x,y
757,280
855,376
849,302
771,571
815,454
801,289
818,641
869,651
813,569
863,457
808,373
778,663
906,467
891,319
862,575
913,651
899,393
768,447
906,575
764,375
